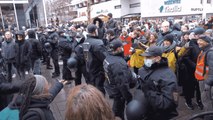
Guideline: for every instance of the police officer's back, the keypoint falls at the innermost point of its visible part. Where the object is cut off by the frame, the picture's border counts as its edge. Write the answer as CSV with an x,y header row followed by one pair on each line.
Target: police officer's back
x,y
94,55
118,77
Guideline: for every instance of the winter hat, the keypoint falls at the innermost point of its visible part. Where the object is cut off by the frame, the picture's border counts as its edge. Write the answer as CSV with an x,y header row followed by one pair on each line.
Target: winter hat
x,y
40,84
169,37
205,38
209,31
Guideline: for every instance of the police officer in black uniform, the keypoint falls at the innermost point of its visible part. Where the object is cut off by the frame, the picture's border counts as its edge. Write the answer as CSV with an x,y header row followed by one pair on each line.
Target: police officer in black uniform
x,y
118,77
94,55
78,54
159,85
65,50
53,40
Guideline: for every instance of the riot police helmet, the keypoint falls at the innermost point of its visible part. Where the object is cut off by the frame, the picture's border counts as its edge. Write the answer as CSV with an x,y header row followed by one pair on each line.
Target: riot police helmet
x,y
137,108
48,47
72,64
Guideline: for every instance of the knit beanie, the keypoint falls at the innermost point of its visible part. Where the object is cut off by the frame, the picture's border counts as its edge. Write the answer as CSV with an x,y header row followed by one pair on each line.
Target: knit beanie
x,y
40,84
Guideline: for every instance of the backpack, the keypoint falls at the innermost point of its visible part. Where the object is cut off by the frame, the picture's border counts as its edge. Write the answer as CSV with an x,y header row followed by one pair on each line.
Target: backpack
x,y
13,114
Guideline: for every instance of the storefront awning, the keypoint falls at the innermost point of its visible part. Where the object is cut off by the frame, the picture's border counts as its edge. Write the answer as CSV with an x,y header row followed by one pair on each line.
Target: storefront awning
x,y
131,15
79,19
75,2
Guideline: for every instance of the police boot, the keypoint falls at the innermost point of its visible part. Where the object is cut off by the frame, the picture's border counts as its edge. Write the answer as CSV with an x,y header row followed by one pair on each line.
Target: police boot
x,y
49,67
55,75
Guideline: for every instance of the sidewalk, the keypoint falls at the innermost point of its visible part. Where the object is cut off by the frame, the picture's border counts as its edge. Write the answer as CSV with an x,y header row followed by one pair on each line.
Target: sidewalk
x,y
58,106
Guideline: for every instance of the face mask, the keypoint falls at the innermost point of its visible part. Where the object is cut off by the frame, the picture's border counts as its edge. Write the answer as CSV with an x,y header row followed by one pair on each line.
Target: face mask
x,y
148,62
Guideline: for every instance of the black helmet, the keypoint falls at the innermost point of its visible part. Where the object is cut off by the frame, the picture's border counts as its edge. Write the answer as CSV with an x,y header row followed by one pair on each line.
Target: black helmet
x,y
48,47
72,63
137,108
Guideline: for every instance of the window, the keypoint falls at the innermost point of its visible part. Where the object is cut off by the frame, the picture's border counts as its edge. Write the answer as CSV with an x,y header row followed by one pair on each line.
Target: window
x,y
117,6
209,1
134,5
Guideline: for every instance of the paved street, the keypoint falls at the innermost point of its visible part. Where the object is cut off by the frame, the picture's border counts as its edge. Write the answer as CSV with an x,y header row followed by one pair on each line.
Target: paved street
x,y
59,104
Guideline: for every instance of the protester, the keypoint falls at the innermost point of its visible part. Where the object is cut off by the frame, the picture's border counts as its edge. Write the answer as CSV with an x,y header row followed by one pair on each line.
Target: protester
x,y
86,102
203,72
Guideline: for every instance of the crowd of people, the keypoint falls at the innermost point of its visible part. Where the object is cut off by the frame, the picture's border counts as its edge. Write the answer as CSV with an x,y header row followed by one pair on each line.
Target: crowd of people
x,y
153,60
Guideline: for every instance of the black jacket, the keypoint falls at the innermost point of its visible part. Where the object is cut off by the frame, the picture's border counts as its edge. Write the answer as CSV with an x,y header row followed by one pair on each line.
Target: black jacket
x,y
24,50
53,39
6,91
118,77
78,50
94,55
158,84
36,48
65,47
192,54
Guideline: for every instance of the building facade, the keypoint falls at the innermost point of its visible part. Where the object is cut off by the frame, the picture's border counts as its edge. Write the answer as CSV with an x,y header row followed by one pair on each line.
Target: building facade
x,y
57,12
12,13
121,9
187,9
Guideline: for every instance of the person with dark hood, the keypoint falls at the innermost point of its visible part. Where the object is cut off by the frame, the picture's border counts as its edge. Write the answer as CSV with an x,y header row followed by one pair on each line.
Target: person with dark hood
x,y
101,28
159,84
94,54
36,52
118,76
23,49
65,50
8,53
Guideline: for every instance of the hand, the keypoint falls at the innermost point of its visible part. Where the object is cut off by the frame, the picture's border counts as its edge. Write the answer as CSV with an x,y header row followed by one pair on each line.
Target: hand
x,y
186,45
64,82
178,48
